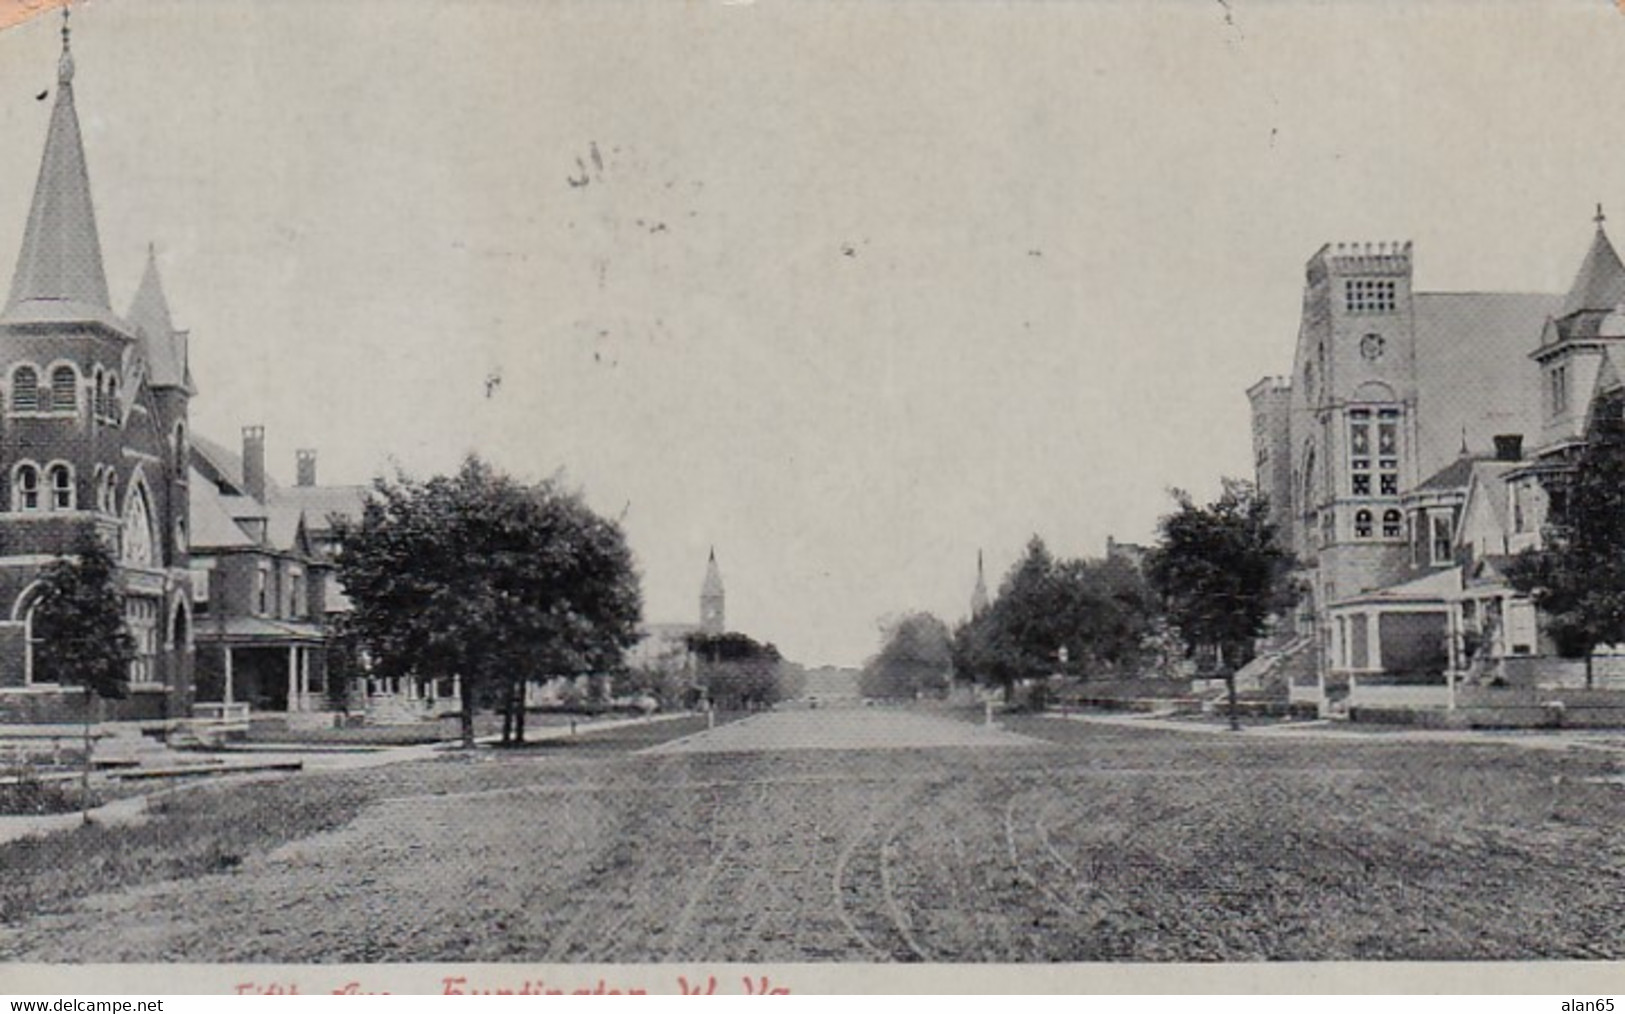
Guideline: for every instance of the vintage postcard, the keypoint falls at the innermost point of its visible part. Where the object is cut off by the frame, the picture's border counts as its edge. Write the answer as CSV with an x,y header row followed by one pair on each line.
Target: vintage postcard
x,y
761,497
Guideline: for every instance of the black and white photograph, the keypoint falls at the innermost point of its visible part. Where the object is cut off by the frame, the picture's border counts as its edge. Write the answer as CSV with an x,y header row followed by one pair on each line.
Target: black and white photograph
x,y
741,491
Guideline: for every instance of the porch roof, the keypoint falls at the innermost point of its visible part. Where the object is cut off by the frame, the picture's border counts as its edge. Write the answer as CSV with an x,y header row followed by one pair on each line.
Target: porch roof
x,y
1436,587
261,631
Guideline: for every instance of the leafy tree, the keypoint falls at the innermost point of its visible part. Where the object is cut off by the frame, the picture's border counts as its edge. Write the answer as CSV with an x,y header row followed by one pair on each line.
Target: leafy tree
x,y
916,655
477,575
738,672
1577,579
79,633
1221,573
1098,611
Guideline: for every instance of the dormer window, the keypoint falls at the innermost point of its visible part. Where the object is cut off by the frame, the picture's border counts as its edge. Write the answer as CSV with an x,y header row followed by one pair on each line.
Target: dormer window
x,y
1559,381
1442,536
25,390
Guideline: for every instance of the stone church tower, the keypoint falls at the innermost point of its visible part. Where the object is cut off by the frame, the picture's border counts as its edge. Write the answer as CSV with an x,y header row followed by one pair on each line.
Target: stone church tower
x,y
712,615
93,439
1353,423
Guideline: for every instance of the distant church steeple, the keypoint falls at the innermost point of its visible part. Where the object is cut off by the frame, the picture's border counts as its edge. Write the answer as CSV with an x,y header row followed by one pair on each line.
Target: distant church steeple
x,y
1600,283
59,273
712,616
978,597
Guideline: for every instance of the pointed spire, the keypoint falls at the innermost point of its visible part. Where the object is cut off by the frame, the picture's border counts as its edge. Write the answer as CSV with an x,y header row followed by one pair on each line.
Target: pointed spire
x,y
978,597
1600,284
59,270
163,347
712,617
1464,451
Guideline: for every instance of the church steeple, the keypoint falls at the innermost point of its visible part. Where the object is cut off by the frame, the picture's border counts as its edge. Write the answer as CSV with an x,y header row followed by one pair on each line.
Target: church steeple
x,y
978,597
712,600
163,347
1600,284
59,272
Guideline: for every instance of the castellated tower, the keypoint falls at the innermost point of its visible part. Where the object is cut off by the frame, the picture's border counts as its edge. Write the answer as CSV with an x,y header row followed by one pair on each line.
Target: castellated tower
x,y
1353,417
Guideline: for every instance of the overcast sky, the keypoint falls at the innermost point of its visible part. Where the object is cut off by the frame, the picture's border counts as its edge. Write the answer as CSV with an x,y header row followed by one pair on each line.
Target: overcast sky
x,y
849,290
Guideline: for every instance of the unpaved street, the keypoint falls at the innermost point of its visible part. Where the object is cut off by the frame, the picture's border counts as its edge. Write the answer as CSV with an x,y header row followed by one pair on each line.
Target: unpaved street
x,y
922,838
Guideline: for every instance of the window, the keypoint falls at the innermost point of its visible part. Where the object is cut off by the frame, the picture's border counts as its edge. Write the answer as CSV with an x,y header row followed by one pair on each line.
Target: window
x,y
141,619
296,592
201,573
1441,537
1328,527
113,410
25,488
1393,525
25,390
107,496
64,389
137,547
1362,524
262,589
1559,380
61,482
99,398
1368,295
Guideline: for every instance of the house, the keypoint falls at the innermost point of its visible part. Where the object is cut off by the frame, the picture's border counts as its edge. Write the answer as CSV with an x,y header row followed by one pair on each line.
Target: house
x,y
262,574
93,438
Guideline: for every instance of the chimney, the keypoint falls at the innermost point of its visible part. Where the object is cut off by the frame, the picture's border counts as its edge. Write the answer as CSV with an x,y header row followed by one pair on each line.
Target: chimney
x,y
254,462
1508,447
305,462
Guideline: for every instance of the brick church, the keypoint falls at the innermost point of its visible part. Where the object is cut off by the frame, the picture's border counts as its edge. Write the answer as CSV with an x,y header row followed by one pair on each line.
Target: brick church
x,y
93,436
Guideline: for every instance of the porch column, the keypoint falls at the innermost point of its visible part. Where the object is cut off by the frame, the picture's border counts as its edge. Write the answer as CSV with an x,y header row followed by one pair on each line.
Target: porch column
x,y
293,679
304,679
457,688
1373,640
228,695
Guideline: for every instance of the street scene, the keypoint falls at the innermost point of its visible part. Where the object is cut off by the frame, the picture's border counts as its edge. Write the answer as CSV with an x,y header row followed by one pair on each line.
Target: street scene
x,y
573,484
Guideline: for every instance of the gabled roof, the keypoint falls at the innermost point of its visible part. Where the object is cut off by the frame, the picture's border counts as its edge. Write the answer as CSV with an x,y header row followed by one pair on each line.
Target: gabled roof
x,y
212,524
220,465
1455,475
163,347
321,504
59,274
1600,283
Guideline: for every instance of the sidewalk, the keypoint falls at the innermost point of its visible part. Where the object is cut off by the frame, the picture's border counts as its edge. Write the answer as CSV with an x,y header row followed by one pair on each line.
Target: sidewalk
x,y
1321,729
133,809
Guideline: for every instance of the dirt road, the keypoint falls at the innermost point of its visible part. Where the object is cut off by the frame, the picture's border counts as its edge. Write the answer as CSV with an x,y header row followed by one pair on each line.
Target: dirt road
x,y
936,841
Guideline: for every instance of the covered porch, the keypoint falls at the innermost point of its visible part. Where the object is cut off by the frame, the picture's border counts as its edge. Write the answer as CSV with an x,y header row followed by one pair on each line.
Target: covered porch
x,y
270,665
1400,646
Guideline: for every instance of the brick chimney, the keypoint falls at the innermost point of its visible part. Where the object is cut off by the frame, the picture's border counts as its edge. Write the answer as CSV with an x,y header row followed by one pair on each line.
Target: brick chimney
x,y
254,462
305,467
1508,447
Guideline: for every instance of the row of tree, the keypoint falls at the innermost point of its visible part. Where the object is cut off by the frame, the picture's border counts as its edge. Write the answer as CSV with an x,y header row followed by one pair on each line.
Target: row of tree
x,y
1208,588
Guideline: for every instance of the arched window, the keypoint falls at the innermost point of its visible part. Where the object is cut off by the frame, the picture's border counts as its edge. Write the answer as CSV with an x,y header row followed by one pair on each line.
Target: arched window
x,y
1362,524
1393,524
64,389
60,479
114,411
25,389
99,402
137,544
109,494
25,488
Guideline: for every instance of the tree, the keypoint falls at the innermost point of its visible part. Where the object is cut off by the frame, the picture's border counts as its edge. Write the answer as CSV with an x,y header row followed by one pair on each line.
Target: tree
x,y
499,583
915,656
1220,574
1098,611
739,672
1577,579
79,633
